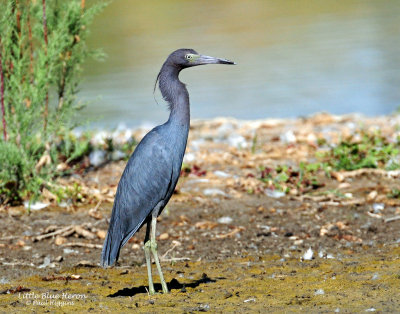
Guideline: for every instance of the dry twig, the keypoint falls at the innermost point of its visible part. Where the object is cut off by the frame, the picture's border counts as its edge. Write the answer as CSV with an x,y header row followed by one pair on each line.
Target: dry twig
x,y
82,244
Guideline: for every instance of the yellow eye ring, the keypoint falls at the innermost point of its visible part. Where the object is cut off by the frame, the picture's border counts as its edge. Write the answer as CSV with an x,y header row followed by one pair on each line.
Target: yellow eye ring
x,y
188,57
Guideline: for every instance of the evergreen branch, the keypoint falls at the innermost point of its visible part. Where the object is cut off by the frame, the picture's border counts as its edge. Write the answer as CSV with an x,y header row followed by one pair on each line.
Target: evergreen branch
x,y
45,24
3,111
30,44
46,105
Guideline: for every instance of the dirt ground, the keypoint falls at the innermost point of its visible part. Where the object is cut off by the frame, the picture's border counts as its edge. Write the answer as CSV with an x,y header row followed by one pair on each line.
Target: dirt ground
x,y
227,243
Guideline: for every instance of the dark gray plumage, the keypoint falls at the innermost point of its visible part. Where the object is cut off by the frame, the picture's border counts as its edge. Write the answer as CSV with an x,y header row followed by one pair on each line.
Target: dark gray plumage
x,y
152,172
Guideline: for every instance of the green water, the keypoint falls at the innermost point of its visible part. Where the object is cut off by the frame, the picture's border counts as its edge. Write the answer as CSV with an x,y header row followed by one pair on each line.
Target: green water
x,y
294,58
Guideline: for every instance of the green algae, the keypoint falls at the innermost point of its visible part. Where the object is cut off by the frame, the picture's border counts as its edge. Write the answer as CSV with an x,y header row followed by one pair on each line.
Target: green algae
x,y
352,283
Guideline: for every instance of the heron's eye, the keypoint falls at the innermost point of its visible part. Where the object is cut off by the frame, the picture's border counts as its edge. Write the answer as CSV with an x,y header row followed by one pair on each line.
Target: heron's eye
x,y
188,57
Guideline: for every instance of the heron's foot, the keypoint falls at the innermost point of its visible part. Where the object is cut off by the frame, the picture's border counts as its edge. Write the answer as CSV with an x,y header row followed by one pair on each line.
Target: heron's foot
x,y
153,247
147,248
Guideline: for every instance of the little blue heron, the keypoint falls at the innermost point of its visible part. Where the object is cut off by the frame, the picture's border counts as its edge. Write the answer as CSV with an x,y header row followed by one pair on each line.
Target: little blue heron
x,y
151,174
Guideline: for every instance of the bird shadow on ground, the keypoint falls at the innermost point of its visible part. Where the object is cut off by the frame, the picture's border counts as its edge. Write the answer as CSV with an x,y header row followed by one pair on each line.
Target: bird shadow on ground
x,y
174,284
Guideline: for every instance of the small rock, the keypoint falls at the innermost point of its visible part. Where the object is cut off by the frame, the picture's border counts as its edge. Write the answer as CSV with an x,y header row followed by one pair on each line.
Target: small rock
x,y
69,251
308,255
59,240
226,129
59,259
21,243
375,276
225,220
135,246
288,137
212,192
372,195
274,193
319,292
101,234
163,236
222,174
227,295
377,207
46,262
62,166
189,157
117,155
237,141
35,206
344,185
97,157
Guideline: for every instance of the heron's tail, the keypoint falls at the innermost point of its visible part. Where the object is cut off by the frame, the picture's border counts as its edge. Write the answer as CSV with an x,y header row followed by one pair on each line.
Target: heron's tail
x,y
110,250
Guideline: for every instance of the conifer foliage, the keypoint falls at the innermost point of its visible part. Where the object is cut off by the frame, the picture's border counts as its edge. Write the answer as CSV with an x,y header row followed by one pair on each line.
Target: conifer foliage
x,y
42,49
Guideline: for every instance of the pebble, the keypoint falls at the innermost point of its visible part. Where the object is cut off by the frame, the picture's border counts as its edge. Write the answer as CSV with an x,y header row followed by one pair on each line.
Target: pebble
x,y
375,276
319,292
101,234
372,195
237,141
308,255
46,262
222,174
377,207
225,220
97,157
274,193
371,309
35,206
211,192
99,138
69,251
164,236
117,155
60,240
226,129
189,157
288,137
135,246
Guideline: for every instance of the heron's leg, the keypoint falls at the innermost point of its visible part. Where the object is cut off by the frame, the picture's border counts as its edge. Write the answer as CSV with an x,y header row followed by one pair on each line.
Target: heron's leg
x,y
147,248
154,251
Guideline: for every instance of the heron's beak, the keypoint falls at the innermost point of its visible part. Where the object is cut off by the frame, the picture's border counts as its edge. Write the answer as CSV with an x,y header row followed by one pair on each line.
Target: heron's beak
x,y
211,60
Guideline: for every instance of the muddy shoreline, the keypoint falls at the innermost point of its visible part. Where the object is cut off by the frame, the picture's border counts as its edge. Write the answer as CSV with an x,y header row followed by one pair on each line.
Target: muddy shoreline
x,y
225,222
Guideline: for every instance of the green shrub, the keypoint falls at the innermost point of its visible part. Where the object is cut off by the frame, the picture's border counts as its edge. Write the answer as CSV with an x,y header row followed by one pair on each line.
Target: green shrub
x,y
42,49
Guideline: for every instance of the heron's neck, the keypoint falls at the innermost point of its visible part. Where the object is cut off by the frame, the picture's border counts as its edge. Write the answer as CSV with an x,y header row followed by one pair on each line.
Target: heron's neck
x,y
176,94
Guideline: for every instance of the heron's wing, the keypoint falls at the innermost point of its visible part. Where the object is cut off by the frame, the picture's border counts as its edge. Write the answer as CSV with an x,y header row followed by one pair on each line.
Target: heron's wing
x,y
145,182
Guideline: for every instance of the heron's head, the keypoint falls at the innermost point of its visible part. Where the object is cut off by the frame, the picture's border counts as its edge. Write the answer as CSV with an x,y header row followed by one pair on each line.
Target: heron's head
x,y
185,58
